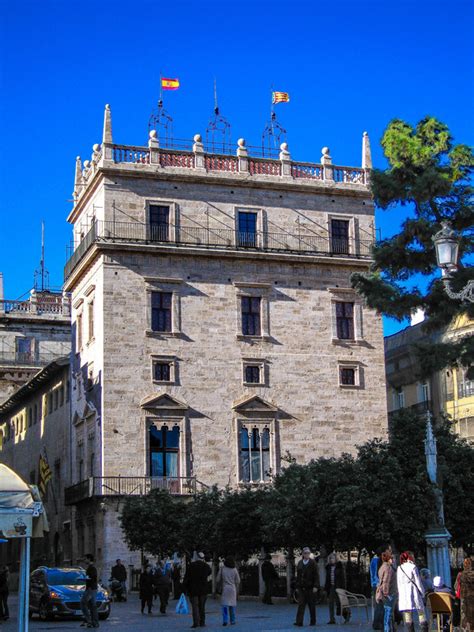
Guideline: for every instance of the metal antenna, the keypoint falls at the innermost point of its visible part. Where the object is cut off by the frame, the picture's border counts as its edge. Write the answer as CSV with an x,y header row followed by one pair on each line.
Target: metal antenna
x,y
218,132
41,273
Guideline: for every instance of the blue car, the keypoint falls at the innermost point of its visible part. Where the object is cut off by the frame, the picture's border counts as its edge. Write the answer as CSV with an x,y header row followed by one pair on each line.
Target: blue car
x,y
57,592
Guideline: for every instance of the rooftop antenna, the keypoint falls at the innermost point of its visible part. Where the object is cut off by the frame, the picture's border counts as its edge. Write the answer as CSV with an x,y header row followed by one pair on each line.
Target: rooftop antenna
x,y
218,132
274,134
161,121
41,276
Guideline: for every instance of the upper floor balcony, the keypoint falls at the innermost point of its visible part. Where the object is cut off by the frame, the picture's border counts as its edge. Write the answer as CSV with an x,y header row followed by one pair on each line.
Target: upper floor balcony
x,y
38,304
304,241
119,486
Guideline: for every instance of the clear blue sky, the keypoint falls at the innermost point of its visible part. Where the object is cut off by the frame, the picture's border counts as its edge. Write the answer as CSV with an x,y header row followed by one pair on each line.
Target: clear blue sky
x,y
348,66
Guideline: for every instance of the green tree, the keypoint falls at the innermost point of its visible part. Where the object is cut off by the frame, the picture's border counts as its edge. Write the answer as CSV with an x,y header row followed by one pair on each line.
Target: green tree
x,y
432,177
153,523
199,532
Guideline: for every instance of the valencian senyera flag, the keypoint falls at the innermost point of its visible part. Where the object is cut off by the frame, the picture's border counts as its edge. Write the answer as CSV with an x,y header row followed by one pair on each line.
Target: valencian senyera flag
x,y
280,97
169,84
45,474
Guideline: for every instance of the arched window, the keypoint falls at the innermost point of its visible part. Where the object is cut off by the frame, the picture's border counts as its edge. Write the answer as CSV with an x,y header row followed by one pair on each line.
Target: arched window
x,y
164,451
254,454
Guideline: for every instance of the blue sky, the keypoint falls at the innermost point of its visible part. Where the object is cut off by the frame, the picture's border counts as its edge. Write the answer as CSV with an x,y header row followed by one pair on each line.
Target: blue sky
x,y
348,66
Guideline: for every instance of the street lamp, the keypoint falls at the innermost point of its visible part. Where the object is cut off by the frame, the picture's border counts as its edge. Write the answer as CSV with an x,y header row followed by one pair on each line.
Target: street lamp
x,y
446,243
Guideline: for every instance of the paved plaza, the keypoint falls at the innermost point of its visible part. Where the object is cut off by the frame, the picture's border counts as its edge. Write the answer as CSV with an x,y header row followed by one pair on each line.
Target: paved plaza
x,y
251,615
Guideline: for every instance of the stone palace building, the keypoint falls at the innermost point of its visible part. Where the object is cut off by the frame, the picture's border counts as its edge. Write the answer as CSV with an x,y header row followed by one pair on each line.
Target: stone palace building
x,y
214,325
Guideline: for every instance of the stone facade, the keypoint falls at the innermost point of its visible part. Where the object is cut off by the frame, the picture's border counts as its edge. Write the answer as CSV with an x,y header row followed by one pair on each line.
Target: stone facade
x,y
239,232
33,332
35,420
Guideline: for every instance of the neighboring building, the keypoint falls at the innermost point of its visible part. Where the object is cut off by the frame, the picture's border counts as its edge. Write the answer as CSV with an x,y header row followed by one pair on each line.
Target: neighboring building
x,y
33,332
447,391
215,328
35,421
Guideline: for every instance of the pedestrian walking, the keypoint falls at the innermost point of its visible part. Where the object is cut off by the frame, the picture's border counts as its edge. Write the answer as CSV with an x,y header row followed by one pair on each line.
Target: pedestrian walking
x,y
307,579
269,576
387,589
4,592
196,584
410,593
176,580
146,589
228,579
466,593
162,582
89,598
334,580
119,573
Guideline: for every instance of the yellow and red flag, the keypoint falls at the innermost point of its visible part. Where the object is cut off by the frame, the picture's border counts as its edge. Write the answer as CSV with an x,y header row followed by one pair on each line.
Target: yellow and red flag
x,y
169,84
280,97
45,474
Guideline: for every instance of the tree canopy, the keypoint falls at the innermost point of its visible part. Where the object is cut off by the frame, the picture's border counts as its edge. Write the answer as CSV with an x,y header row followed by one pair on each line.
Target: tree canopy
x,y
431,177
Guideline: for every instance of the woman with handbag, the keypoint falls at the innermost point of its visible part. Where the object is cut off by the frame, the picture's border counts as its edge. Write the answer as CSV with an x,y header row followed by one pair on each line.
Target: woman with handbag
x,y
387,589
410,593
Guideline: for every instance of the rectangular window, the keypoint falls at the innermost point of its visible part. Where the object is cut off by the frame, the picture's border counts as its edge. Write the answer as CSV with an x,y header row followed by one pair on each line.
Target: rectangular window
x,y
340,236
247,229
254,455
251,316
161,303
345,320
164,451
159,222
162,372
399,397
90,310
252,374
79,332
50,403
347,376
24,349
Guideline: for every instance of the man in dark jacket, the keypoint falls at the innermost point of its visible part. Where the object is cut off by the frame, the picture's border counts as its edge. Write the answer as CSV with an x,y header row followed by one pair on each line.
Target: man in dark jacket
x,y
334,580
269,575
89,597
162,581
307,579
195,581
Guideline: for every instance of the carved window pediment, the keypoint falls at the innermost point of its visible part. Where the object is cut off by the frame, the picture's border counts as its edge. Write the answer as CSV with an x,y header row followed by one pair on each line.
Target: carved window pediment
x,y
162,402
255,404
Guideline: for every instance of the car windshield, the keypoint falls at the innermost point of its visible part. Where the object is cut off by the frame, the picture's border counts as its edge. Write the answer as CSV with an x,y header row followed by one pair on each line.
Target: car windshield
x,y
66,578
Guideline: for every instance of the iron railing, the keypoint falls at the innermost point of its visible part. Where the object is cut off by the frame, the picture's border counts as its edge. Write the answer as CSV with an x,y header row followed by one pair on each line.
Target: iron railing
x,y
104,486
39,304
28,358
302,242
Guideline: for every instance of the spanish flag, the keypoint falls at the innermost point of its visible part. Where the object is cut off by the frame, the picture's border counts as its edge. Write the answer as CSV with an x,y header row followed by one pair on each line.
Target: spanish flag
x,y
45,474
169,84
280,97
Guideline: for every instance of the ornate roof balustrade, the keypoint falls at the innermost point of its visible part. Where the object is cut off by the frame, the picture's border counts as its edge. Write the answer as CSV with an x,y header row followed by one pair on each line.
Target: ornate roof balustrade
x,y
196,236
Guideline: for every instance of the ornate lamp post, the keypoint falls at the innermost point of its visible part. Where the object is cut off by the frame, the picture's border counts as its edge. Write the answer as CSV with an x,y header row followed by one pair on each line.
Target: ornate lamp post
x,y
446,243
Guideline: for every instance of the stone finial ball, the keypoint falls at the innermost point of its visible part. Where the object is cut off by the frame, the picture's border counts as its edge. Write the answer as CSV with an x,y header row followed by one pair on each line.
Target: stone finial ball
x,y
284,146
153,133
87,164
197,138
78,158
325,151
365,134
96,147
107,106
241,142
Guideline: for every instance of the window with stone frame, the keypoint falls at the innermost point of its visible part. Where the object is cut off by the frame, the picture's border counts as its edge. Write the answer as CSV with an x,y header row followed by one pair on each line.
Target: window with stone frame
x,y
251,315
347,376
90,318
340,236
79,331
254,372
161,371
164,450
159,222
161,311
254,454
345,320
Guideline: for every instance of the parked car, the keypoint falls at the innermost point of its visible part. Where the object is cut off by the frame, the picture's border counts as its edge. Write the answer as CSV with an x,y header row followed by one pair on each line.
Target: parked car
x,y
57,592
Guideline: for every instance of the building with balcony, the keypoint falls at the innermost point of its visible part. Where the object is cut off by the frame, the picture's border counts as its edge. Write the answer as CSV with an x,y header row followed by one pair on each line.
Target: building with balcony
x,y
214,325
33,332
34,422
446,392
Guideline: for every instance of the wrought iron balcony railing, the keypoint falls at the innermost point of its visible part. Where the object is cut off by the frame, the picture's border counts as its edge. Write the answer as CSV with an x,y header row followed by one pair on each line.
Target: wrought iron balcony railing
x,y
104,486
301,242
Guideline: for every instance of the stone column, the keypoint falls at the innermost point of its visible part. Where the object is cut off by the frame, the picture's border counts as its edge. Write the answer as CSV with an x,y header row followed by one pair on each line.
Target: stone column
x,y
107,141
285,160
326,161
33,302
198,149
66,304
154,146
242,155
437,553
